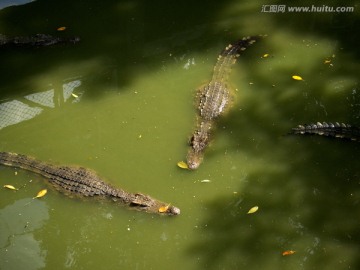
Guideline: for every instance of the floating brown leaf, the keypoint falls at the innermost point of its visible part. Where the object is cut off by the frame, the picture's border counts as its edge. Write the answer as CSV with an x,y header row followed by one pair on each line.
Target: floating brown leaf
x,y
41,193
253,209
10,187
164,208
182,165
288,252
297,78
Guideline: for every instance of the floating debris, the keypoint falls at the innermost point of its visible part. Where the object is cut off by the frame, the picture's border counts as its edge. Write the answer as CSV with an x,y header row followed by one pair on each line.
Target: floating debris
x,y
74,95
297,78
41,193
182,165
288,252
205,181
10,187
62,28
328,62
265,55
253,209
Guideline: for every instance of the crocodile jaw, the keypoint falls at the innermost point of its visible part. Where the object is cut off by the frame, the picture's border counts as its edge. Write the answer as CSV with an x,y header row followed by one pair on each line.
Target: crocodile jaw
x,y
142,202
194,159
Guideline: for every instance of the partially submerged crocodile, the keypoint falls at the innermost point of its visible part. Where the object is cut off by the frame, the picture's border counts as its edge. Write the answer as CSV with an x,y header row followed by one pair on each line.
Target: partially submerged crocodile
x,y
336,130
82,182
214,99
38,40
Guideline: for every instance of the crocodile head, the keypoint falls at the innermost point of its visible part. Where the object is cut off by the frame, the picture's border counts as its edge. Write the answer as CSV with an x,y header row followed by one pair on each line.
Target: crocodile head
x,y
145,203
198,142
201,138
194,159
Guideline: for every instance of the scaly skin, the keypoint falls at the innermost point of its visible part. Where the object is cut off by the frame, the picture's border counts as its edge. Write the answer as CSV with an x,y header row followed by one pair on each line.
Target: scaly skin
x,y
78,181
214,99
337,130
198,142
38,40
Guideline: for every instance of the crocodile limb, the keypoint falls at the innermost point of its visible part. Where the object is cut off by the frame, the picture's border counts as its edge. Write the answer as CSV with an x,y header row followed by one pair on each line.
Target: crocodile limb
x,y
82,182
336,130
214,99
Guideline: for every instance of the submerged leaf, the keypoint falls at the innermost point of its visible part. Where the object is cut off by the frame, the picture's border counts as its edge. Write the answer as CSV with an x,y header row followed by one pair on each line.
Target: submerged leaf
x,y
288,252
253,209
41,193
164,208
182,165
10,187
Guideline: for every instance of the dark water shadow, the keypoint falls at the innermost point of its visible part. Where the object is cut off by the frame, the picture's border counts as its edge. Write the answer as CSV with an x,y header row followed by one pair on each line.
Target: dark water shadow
x,y
121,35
308,188
308,198
335,25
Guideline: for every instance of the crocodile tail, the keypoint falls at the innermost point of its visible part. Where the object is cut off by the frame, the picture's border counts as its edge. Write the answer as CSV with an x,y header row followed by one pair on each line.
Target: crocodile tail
x,y
3,40
20,161
240,45
69,180
229,55
25,162
336,130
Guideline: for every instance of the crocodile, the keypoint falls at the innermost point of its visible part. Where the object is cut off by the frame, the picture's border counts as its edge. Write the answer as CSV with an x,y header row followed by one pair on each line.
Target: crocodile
x,y
35,41
336,130
214,99
82,182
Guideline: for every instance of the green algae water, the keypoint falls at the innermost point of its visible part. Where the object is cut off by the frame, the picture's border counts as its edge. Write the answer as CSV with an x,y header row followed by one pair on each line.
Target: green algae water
x,y
122,102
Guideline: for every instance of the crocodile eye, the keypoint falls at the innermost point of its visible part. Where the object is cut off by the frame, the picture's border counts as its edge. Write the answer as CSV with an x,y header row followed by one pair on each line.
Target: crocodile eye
x,y
191,141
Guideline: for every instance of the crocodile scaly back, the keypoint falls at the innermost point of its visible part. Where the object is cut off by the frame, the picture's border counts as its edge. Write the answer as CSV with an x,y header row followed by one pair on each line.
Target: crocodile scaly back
x,y
214,99
336,130
82,182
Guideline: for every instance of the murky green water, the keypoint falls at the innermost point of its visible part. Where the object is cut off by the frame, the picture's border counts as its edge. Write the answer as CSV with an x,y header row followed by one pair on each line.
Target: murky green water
x,y
121,103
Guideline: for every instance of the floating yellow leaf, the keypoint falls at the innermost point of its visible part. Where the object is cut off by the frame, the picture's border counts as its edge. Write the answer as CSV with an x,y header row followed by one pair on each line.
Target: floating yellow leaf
x,y
253,209
41,193
288,252
62,28
164,208
265,55
182,165
297,78
10,187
